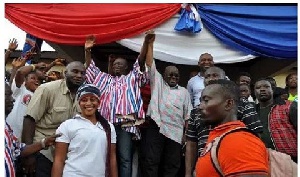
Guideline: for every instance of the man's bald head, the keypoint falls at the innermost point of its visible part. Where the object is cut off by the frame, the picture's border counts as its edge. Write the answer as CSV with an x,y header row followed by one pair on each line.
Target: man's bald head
x,y
74,63
75,74
213,73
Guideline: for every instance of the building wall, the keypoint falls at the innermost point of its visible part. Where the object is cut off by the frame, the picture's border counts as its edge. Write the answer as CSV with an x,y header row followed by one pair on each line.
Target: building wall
x,y
280,79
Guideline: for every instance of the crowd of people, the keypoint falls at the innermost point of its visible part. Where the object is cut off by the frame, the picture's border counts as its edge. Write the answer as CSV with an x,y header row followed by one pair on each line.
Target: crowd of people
x,y
87,122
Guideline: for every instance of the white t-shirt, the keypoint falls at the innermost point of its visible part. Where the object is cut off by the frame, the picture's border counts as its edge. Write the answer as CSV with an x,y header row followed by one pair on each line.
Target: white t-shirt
x,y
15,119
87,150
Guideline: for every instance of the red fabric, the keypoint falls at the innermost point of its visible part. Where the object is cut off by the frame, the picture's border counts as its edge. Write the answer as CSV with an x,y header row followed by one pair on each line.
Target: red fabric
x,y
282,131
71,23
146,96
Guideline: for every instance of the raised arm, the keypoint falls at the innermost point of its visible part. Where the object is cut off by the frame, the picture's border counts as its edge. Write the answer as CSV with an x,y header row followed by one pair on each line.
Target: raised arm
x,y
89,43
111,59
16,64
24,70
56,62
142,57
149,55
13,44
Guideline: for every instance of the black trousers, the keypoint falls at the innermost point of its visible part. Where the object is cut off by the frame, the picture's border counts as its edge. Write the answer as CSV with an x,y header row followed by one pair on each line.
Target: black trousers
x,y
43,166
159,155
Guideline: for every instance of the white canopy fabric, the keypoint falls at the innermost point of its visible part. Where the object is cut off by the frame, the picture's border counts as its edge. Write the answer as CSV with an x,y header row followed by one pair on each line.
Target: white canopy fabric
x,y
185,48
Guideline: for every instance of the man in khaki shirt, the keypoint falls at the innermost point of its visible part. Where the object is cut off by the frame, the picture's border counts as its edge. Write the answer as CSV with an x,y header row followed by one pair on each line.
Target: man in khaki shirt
x,y
51,104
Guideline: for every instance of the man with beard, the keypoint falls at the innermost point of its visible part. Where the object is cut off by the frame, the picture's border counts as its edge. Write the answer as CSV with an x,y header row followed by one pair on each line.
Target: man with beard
x,y
51,104
197,133
291,86
240,153
169,110
195,84
279,119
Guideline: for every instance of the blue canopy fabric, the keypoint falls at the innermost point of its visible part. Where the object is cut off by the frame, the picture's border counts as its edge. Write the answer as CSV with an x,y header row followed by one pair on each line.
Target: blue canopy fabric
x,y
188,20
266,30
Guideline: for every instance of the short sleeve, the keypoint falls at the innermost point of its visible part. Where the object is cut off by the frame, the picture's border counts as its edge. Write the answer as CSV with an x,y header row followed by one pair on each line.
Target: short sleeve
x,y
63,129
243,153
248,115
191,133
113,134
16,90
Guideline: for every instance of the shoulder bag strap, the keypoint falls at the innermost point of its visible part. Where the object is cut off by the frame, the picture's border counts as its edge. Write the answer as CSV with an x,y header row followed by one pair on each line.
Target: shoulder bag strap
x,y
216,144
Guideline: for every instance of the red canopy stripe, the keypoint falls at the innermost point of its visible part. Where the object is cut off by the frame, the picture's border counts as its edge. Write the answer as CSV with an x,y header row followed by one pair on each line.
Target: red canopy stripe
x,y
71,23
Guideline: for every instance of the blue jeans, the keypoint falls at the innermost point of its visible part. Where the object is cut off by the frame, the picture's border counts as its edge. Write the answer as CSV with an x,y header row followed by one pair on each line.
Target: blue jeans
x,y
124,151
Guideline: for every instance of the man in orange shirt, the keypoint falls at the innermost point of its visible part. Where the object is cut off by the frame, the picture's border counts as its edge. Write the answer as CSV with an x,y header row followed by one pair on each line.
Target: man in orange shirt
x,y
240,153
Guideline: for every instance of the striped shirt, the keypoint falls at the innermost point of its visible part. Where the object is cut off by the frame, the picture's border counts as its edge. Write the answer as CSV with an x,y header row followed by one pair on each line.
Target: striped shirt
x,y
169,107
120,96
197,132
13,149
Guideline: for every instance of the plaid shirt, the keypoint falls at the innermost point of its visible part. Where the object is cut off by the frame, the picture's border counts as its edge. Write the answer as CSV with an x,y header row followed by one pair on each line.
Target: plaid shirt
x,y
282,131
197,132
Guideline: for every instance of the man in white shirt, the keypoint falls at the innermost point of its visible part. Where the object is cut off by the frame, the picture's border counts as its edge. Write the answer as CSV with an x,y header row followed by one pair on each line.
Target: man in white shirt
x,y
195,84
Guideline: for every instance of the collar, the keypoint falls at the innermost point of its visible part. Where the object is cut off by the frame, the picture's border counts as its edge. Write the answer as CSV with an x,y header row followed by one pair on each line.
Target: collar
x,y
64,87
98,124
199,74
175,87
229,125
276,101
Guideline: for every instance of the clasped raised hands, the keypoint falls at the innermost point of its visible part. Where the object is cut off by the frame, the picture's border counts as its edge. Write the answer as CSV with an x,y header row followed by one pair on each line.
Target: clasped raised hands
x,y
150,36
